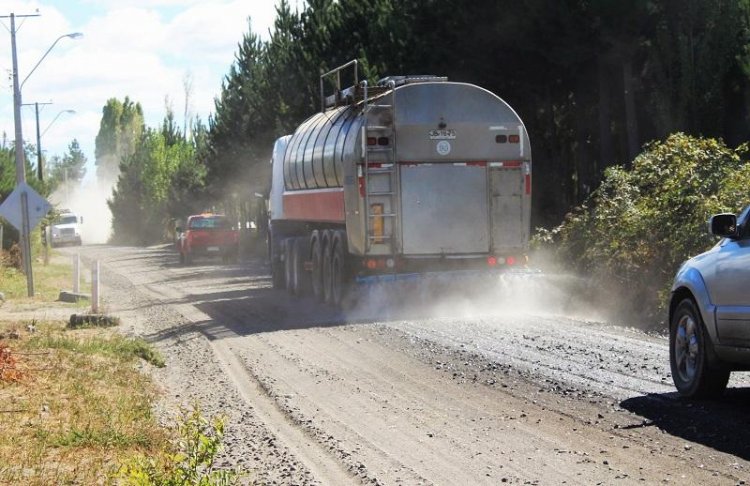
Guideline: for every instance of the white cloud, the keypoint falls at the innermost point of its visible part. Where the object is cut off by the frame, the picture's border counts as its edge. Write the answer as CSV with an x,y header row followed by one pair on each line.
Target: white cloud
x,y
142,51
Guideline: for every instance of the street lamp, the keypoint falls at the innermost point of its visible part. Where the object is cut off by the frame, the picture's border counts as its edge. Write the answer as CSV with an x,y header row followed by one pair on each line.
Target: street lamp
x,y
39,165
71,112
20,166
73,35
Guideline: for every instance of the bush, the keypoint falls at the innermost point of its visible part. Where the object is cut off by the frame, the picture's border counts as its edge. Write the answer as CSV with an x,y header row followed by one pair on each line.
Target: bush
x,y
632,234
191,462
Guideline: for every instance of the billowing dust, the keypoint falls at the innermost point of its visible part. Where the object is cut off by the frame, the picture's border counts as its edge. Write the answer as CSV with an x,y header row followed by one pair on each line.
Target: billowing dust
x,y
87,200
471,296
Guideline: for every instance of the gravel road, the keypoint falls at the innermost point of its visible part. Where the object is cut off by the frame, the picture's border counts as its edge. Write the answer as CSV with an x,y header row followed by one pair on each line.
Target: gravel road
x,y
504,384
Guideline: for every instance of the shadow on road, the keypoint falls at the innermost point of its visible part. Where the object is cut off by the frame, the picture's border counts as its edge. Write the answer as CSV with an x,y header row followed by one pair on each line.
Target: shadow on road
x,y
719,424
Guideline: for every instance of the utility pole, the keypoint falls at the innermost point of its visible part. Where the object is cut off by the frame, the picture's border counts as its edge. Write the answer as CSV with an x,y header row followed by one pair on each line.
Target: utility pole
x,y
20,163
39,163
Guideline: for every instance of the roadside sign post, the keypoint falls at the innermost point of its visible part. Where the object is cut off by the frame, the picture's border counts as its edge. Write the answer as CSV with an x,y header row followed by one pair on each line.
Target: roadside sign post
x,y
24,208
26,242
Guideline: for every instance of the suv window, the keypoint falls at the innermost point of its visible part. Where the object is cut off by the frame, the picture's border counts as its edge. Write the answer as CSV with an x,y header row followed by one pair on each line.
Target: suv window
x,y
210,222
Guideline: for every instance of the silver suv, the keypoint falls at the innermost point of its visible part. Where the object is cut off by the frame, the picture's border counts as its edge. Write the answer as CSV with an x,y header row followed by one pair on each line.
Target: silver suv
x,y
709,313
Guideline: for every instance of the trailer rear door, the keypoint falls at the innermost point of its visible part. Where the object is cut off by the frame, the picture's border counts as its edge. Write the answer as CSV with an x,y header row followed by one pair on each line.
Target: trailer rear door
x,y
507,208
444,209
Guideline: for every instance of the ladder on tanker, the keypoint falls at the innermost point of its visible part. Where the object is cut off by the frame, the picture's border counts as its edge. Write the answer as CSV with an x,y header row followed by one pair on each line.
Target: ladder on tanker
x,y
380,173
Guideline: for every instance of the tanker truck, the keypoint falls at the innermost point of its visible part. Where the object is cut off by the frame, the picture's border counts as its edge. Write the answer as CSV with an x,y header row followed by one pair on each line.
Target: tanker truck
x,y
413,176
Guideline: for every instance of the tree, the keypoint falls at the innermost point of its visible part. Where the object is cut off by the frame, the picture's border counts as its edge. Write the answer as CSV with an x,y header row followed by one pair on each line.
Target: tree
x,y
120,130
71,167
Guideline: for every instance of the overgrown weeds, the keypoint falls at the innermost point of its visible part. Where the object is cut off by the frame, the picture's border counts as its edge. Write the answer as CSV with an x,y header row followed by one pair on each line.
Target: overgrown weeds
x,y
191,460
78,407
631,235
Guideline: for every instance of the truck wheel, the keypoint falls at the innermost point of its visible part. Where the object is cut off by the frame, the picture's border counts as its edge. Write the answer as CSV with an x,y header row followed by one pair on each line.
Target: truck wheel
x,y
277,275
289,264
327,260
301,279
339,271
277,266
316,255
689,347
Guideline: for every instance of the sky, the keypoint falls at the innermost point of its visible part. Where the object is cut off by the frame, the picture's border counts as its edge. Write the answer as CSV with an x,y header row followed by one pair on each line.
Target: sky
x,y
144,49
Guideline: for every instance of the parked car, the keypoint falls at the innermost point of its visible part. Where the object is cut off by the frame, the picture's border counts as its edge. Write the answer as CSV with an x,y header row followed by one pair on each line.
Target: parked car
x,y
207,235
709,312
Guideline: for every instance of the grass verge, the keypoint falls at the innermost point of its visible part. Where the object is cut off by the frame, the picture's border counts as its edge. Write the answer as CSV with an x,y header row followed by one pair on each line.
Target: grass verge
x,y
48,280
75,405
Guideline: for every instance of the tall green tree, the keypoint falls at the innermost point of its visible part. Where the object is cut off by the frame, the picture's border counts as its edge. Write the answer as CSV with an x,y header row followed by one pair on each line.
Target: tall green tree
x,y
120,130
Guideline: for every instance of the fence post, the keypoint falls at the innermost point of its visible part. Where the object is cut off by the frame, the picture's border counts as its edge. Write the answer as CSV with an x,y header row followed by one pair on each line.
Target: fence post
x,y
76,273
95,288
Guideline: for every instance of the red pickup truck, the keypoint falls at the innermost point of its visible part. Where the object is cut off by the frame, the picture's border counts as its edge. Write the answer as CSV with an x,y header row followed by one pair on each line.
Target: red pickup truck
x,y
207,235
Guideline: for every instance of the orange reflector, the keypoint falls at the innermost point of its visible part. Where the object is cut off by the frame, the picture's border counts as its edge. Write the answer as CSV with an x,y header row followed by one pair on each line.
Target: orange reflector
x,y
372,141
514,138
361,186
510,260
491,261
371,264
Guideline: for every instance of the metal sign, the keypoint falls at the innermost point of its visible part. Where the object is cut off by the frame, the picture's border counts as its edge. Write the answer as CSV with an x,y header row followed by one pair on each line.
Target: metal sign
x,y
12,208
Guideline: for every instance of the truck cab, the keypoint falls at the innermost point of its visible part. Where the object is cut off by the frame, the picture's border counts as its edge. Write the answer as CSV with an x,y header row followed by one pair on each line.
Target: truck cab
x,y
66,229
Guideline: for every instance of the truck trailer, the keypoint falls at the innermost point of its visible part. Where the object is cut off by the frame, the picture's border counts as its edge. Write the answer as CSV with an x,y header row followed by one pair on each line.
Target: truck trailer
x,y
413,176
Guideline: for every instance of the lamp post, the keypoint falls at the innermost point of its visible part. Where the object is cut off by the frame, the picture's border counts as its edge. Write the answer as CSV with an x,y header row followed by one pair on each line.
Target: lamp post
x,y
40,167
20,166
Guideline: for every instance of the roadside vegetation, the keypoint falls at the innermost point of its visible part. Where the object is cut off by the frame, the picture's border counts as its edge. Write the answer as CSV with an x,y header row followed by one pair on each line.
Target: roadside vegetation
x,y
78,404
74,404
49,279
632,233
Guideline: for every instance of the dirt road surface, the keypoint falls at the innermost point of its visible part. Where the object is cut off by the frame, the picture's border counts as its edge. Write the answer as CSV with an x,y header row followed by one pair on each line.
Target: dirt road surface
x,y
507,387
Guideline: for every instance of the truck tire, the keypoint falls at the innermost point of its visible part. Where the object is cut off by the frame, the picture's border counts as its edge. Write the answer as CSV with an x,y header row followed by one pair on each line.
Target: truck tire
x,y
327,260
289,264
339,270
316,256
277,266
300,278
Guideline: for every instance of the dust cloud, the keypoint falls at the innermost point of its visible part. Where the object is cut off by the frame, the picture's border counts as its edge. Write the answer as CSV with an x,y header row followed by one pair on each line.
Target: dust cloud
x,y
87,200
532,291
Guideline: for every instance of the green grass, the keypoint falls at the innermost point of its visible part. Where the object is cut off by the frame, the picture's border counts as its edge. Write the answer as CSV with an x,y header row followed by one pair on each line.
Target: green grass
x,y
115,346
48,281
80,408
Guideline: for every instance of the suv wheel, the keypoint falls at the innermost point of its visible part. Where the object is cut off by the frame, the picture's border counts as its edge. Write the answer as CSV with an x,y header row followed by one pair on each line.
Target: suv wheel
x,y
689,347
